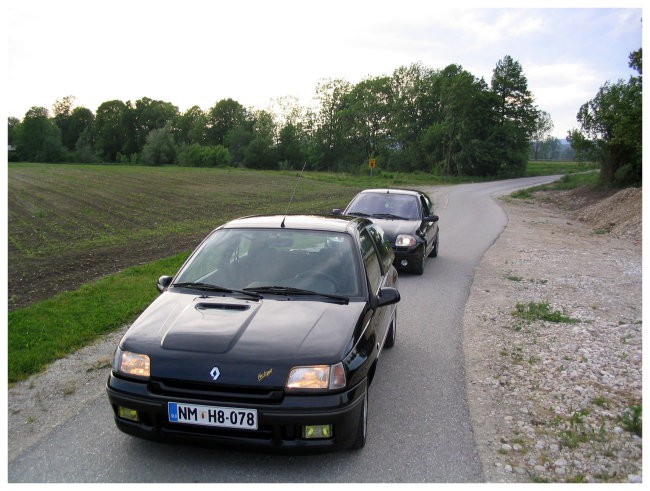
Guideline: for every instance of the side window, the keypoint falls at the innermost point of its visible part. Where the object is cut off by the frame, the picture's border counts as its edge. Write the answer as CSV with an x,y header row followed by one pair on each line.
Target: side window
x,y
384,248
426,209
371,260
427,206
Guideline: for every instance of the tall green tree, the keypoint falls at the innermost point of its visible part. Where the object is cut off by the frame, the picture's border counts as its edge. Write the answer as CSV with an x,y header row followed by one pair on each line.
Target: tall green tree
x,y
328,146
516,115
111,129
414,109
192,126
13,125
80,121
149,115
226,116
455,141
611,128
260,152
291,147
160,147
367,111
541,132
62,111
38,138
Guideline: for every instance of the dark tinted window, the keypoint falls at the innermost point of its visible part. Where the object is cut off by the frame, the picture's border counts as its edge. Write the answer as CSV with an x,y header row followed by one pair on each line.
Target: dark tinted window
x,y
386,254
371,260
252,258
427,206
381,205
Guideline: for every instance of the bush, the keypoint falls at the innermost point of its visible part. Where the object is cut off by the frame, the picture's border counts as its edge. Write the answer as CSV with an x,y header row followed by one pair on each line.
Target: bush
x,y
204,156
160,148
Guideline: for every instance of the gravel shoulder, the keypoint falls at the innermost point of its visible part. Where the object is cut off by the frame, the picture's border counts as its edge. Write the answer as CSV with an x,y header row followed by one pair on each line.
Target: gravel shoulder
x,y
545,398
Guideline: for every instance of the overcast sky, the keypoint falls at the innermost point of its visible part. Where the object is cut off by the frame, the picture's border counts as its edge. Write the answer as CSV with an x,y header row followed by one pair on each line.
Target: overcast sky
x,y
192,52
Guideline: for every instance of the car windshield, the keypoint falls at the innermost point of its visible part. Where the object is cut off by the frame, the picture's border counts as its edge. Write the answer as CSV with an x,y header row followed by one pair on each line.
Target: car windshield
x,y
385,205
275,261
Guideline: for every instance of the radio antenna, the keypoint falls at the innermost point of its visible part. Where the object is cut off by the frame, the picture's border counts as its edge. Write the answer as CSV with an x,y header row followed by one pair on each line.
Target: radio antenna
x,y
393,181
293,194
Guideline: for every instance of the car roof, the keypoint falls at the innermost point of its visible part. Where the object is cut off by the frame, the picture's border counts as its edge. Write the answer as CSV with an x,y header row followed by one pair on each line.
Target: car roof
x,y
412,192
344,224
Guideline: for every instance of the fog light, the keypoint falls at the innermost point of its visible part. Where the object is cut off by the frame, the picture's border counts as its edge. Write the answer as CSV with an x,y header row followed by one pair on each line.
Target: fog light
x,y
127,413
404,263
313,432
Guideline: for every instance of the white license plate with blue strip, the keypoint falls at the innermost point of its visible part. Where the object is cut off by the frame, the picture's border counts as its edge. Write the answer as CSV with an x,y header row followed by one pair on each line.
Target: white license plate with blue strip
x,y
222,417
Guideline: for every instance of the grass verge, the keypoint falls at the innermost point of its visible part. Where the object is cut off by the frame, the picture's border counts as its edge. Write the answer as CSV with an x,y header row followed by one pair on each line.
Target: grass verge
x,y
566,183
53,328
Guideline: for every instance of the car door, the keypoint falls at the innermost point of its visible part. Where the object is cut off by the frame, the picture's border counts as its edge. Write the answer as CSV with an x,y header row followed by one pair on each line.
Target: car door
x,y
378,259
429,228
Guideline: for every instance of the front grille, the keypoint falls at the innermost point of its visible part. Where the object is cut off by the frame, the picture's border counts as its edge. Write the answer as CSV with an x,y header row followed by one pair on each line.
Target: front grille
x,y
211,392
264,432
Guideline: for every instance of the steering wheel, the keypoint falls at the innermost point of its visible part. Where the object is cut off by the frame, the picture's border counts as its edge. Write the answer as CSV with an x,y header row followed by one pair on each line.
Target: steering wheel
x,y
318,278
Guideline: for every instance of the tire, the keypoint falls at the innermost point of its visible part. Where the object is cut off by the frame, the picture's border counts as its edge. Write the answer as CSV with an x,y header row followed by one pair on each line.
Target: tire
x,y
419,266
392,332
434,251
362,428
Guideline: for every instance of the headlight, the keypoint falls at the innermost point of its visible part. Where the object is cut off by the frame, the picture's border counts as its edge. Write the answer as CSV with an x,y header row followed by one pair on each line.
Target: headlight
x,y
405,241
132,364
319,377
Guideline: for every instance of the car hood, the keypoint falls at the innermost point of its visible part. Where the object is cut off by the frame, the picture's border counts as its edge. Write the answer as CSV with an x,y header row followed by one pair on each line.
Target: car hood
x,y
186,336
393,228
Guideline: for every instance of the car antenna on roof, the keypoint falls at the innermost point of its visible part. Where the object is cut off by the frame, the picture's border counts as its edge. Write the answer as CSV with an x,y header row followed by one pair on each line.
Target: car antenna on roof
x,y
293,194
390,186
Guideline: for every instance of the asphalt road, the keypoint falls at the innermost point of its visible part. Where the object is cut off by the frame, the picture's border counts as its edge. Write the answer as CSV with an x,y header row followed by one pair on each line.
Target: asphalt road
x,y
419,427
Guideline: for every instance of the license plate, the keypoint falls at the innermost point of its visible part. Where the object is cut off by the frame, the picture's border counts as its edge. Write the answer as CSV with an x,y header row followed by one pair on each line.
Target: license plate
x,y
223,417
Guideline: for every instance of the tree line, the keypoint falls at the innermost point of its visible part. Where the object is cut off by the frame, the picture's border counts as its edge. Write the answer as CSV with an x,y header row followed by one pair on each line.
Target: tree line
x,y
611,128
443,121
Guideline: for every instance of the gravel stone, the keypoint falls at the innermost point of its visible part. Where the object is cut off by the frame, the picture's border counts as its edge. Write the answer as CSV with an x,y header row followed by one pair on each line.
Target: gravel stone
x,y
561,387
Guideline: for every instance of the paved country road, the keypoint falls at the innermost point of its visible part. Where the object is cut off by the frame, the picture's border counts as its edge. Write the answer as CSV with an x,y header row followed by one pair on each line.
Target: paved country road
x,y
419,427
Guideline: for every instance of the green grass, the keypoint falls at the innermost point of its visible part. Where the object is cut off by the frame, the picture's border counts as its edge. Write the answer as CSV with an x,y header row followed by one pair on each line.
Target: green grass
x,y
548,167
632,420
566,183
53,328
55,209
541,311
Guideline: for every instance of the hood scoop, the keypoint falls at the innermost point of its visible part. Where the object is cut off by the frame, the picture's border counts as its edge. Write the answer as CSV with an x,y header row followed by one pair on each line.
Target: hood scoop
x,y
208,327
221,306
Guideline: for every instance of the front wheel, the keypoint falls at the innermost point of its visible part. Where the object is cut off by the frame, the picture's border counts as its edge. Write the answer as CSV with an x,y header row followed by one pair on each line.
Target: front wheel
x,y
434,251
392,332
362,428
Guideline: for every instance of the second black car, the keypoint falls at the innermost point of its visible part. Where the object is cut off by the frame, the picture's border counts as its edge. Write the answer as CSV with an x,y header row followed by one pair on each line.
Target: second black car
x,y
407,218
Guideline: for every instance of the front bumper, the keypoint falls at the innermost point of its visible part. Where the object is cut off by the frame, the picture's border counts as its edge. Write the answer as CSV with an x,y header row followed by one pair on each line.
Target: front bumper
x,y
280,422
411,255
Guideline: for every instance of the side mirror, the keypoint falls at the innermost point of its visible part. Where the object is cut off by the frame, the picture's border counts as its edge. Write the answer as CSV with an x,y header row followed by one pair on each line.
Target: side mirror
x,y
163,283
337,211
387,296
432,218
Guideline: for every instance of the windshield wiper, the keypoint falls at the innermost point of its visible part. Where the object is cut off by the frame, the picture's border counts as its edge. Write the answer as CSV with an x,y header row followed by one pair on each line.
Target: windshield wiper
x,y
389,216
358,214
288,290
214,288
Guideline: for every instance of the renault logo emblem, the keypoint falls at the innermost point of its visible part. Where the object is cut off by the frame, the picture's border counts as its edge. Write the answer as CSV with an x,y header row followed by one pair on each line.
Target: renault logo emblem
x,y
214,373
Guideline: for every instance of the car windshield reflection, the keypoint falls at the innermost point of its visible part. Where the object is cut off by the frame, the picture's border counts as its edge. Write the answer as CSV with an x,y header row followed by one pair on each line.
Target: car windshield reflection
x,y
385,205
252,259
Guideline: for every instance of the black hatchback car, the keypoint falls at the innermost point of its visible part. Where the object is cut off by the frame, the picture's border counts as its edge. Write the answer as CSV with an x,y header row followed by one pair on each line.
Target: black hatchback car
x,y
407,218
268,335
